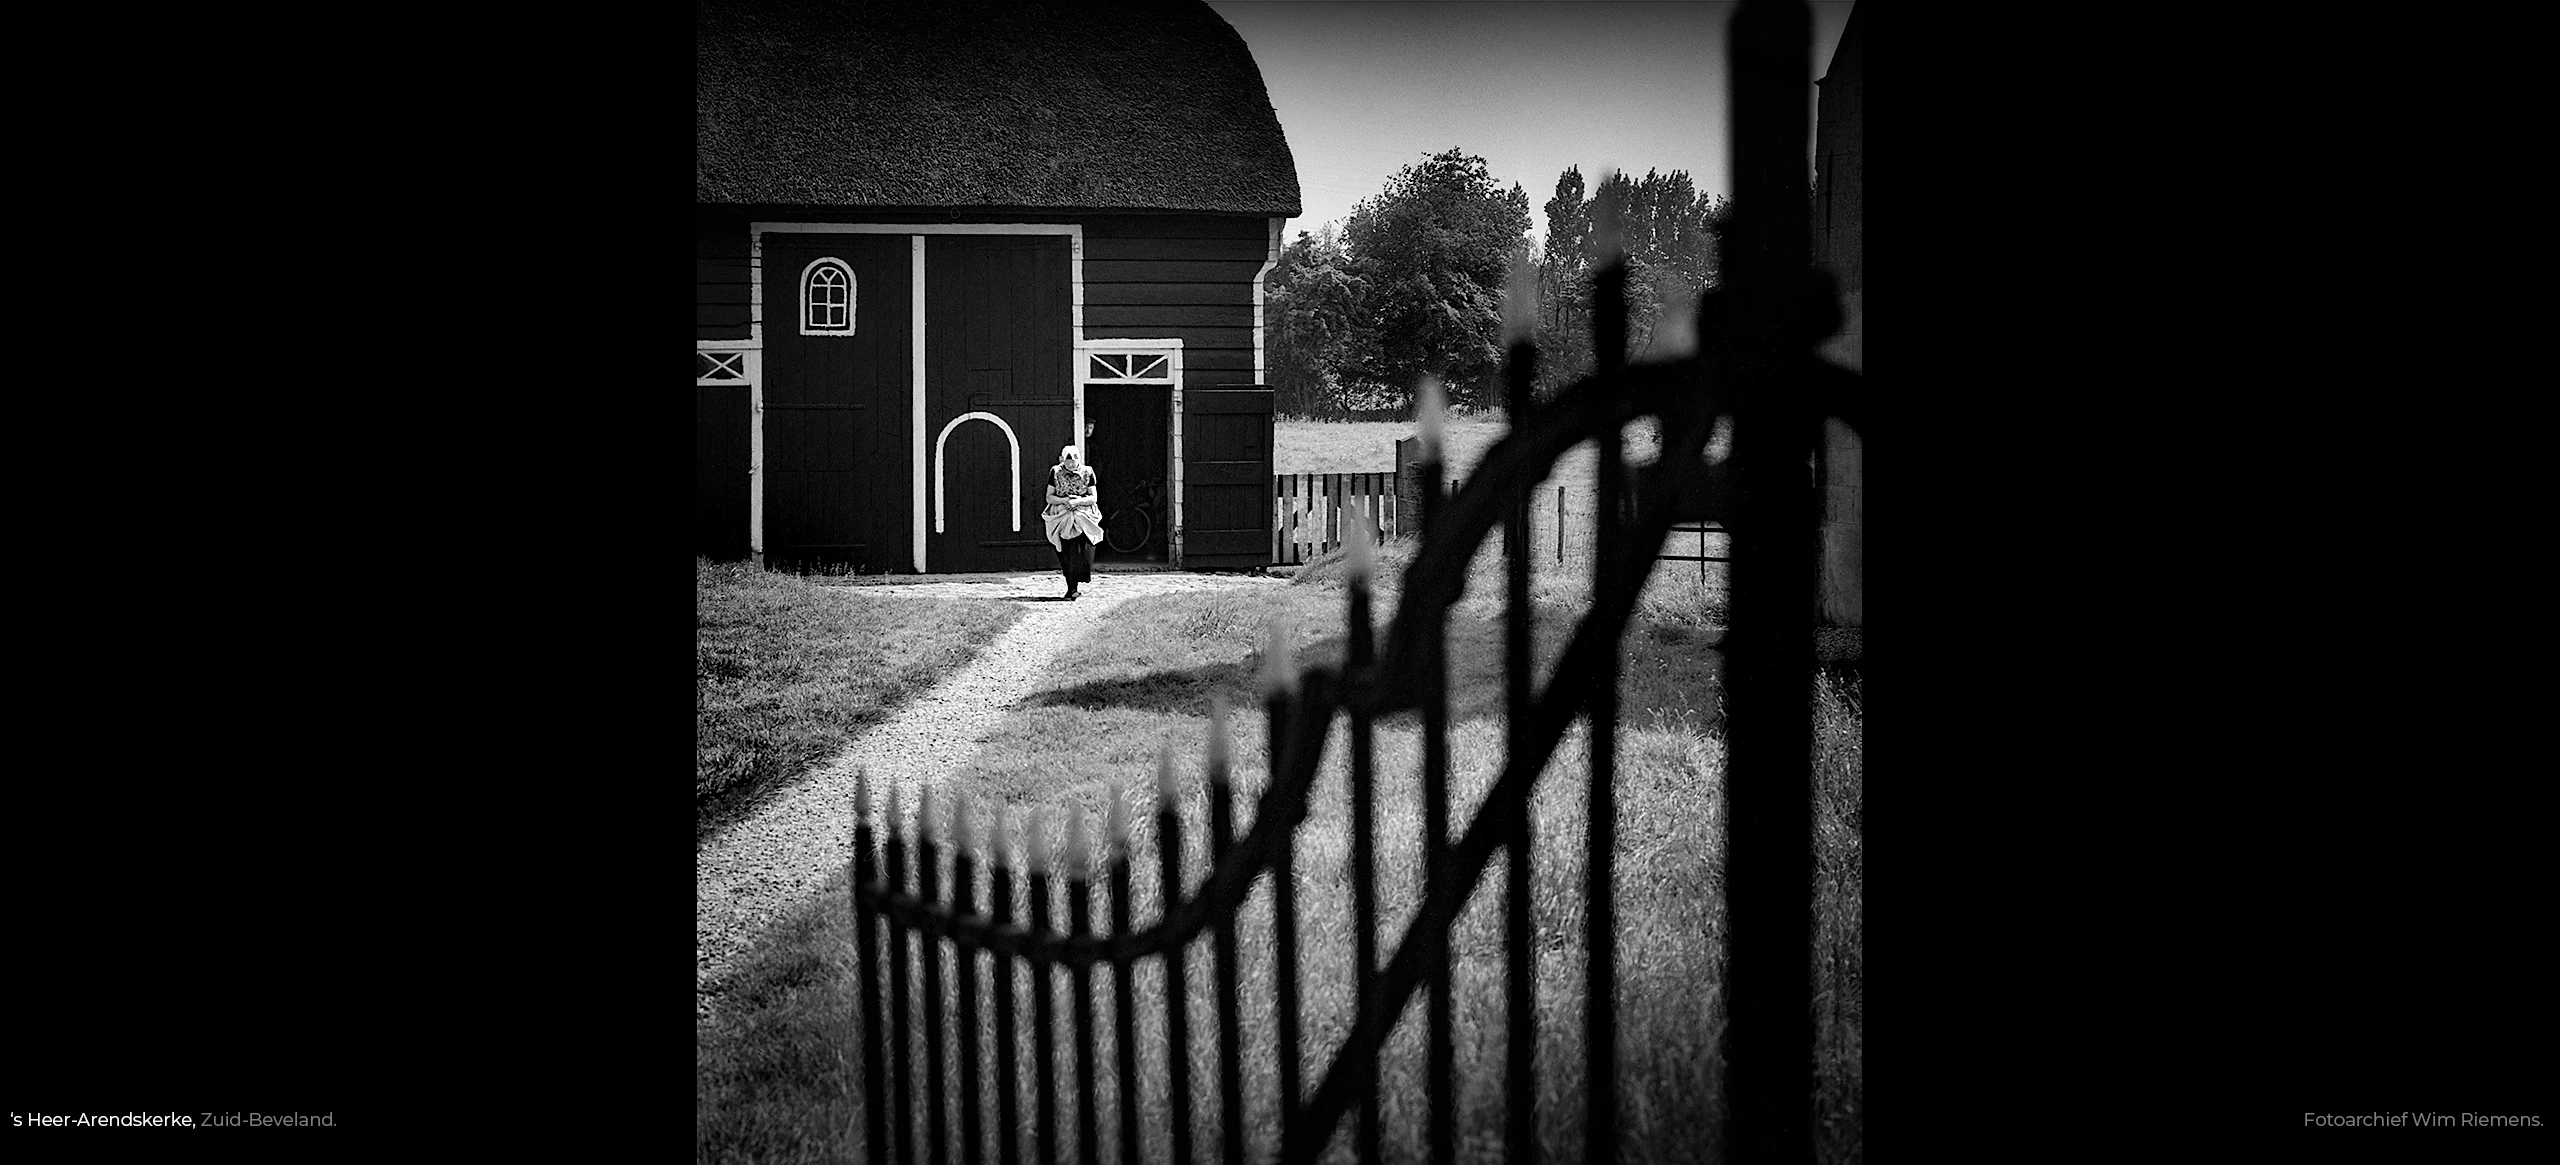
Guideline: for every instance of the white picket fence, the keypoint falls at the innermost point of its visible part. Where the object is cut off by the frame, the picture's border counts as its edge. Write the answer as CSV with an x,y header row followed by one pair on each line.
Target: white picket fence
x,y
1308,510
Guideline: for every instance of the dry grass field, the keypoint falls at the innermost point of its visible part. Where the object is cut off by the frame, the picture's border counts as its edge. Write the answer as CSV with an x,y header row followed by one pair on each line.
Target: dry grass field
x,y
778,1078
786,671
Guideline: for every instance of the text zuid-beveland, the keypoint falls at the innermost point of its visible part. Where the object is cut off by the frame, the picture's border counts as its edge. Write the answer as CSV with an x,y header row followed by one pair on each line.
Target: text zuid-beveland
x,y
268,1120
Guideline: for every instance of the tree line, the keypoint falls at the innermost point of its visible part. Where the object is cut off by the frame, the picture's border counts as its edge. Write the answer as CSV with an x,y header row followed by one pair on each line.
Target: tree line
x,y
1413,281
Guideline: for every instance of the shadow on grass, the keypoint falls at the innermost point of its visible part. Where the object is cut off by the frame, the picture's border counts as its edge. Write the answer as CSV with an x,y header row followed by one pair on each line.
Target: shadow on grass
x,y
1182,690
1665,674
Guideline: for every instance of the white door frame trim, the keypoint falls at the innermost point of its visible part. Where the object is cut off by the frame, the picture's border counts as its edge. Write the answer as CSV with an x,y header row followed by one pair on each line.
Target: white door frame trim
x,y
1172,347
1270,260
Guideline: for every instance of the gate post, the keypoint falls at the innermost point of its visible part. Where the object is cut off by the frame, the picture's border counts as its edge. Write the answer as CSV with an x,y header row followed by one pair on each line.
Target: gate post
x,y
1408,486
1776,431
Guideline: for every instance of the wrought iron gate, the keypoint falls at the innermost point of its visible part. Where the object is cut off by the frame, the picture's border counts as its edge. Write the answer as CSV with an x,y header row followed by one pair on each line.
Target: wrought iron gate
x,y
1755,365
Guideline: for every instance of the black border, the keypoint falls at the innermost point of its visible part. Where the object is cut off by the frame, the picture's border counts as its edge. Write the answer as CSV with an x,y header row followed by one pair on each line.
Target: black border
x,y
2168,844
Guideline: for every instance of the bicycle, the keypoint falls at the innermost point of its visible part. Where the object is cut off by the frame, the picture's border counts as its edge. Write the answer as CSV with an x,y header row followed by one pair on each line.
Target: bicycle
x,y
1131,527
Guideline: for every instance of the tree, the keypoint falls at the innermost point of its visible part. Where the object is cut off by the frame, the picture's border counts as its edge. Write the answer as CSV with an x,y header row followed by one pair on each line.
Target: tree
x,y
1564,286
1668,233
1433,249
1313,303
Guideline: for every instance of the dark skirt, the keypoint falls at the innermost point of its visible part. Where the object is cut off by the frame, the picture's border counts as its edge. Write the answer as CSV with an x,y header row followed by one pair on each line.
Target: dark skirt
x,y
1075,559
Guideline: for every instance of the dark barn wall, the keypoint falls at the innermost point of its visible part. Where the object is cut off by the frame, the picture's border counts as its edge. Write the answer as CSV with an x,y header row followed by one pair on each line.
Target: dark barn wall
x,y
720,478
1188,277
1182,276
721,415
721,280
1185,277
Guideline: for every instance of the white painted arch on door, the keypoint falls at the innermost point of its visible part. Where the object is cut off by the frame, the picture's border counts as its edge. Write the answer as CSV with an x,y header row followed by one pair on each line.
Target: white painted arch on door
x,y
1015,465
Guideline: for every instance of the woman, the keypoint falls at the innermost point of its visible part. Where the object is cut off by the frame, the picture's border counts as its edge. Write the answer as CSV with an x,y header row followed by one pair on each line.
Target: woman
x,y
1073,516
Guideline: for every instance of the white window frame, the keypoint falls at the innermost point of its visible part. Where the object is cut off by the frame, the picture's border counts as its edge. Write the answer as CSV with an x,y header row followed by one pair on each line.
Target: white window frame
x,y
1144,366
852,294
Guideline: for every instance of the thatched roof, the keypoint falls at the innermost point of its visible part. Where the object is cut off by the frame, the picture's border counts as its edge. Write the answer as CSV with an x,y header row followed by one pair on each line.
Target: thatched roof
x,y
1024,103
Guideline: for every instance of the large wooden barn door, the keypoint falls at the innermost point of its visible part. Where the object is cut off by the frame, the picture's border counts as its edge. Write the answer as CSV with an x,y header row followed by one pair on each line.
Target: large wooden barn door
x,y
836,403
1226,478
999,401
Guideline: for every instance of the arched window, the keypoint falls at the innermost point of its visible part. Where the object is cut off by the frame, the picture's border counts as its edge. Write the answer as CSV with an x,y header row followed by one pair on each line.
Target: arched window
x,y
826,298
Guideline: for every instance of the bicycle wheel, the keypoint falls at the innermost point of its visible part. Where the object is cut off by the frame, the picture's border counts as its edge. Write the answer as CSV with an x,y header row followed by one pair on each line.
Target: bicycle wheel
x,y
1127,530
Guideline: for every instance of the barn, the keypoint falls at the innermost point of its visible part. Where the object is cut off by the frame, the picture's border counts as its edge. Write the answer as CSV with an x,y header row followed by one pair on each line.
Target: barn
x,y
936,241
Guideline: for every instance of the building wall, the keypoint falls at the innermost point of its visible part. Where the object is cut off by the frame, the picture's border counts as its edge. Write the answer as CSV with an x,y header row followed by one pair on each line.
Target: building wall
x,y
1162,276
723,455
722,282
1190,277
1186,277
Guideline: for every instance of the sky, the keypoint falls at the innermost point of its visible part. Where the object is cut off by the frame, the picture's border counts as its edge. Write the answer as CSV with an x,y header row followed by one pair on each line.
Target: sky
x,y
1531,86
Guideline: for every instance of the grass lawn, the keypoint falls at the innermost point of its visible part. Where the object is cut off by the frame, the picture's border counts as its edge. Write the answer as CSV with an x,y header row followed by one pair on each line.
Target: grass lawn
x,y
786,671
778,1079
1302,446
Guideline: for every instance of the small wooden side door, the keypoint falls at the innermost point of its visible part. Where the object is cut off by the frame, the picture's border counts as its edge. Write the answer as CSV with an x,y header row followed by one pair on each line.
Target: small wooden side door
x,y
1226,477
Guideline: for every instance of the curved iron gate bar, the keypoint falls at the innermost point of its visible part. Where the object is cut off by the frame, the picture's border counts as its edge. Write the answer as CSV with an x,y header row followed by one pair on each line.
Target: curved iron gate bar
x,y
1674,392
1551,714
1672,490
1756,334
1524,456
1677,393
1281,807
1283,803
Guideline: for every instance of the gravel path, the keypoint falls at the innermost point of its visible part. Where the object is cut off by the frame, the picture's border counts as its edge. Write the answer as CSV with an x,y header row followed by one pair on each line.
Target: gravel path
x,y
753,872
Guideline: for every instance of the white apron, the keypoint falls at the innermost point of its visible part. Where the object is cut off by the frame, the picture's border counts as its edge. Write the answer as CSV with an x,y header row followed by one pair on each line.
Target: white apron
x,y
1065,519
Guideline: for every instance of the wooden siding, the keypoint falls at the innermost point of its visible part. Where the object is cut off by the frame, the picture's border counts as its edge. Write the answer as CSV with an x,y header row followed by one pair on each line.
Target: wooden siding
x,y
1193,339
1169,270
722,282
721,422
1161,250
1217,366
1184,277
1217,294
1115,316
